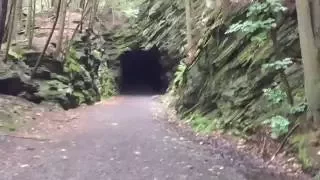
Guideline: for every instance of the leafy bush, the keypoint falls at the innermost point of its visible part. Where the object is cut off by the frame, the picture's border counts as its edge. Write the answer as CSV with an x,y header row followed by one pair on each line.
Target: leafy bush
x,y
279,126
71,64
107,82
250,26
275,95
179,76
299,108
261,16
268,6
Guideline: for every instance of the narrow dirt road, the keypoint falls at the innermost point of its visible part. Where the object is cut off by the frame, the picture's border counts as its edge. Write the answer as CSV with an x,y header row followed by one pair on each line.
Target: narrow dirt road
x,y
123,141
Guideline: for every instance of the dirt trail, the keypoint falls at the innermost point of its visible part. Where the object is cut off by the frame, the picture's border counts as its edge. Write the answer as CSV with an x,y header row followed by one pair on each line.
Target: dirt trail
x,y
122,140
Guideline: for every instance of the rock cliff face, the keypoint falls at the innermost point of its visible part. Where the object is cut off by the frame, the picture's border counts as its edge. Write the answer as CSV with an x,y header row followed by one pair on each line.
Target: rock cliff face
x,y
224,86
225,82
69,82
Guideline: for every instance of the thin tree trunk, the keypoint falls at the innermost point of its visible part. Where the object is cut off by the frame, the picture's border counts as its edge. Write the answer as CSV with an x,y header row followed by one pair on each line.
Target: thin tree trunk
x,y
3,17
84,6
62,21
33,22
18,16
113,16
75,31
92,14
310,57
188,23
48,41
189,30
29,23
11,24
7,23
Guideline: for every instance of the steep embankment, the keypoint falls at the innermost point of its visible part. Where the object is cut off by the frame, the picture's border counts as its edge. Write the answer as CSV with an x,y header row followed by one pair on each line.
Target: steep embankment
x,y
227,86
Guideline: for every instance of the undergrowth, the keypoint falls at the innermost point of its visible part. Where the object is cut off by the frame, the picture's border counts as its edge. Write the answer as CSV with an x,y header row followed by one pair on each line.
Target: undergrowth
x,y
300,144
202,124
107,82
179,77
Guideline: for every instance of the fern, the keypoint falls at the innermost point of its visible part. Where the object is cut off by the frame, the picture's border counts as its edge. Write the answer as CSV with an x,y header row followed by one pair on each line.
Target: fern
x,y
107,83
179,76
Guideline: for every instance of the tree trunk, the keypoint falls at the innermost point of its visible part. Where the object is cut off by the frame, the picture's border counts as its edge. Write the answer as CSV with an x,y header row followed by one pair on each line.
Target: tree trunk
x,y
11,25
62,20
310,56
33,22
83,6
18,18
29,23
189,28
92,14
48,41
3,17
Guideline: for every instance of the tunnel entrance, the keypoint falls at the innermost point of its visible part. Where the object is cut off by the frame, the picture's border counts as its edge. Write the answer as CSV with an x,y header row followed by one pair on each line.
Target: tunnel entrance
x,y
142,72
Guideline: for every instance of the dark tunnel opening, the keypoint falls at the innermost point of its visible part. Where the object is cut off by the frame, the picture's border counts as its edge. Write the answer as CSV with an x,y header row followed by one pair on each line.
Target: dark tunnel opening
x,y
142,72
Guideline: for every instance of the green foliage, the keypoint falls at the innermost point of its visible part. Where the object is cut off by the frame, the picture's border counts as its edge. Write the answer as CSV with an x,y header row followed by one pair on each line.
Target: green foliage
x,y
179,76
202,124
261,16
268,6
279,126
275,95
299,108
317,177
250,26
16,53
71,64
107,83
260,38
278,65
79,97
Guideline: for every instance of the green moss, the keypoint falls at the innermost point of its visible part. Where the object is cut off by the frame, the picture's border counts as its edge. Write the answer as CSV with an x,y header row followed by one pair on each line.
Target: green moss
x,y
71,63
53,89
79,97
107,83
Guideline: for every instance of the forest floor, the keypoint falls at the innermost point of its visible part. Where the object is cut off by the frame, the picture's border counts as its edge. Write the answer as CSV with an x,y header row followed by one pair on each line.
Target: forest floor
x,y
126,137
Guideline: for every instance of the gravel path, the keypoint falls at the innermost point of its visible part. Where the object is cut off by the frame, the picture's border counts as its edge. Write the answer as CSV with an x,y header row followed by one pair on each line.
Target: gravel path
x,y
122,141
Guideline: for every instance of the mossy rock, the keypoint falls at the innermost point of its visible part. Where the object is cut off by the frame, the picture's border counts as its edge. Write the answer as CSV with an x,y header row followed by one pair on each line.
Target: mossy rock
x,y
80,97
60,78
